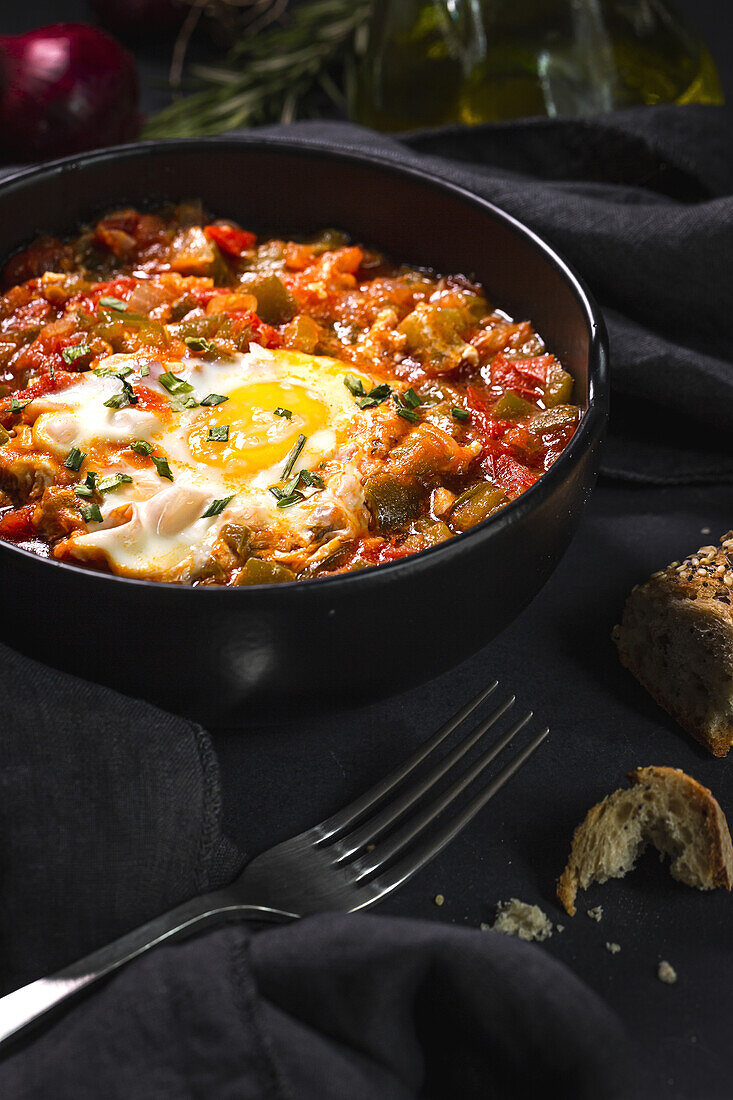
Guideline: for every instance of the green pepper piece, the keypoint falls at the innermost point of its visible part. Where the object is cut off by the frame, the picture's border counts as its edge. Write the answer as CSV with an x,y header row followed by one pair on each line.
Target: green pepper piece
x,y
476,504
559,387
257,571
275,303
511,406
392,503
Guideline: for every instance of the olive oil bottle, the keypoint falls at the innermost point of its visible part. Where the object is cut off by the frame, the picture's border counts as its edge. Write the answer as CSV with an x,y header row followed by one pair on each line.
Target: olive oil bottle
x,y
428,62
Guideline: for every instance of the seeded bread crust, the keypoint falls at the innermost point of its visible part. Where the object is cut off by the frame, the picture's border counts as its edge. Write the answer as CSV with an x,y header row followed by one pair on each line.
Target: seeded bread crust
x,y
676,638
664,807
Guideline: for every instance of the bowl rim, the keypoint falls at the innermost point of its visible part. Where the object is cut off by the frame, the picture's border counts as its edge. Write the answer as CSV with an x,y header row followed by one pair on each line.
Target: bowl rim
x,y
589,427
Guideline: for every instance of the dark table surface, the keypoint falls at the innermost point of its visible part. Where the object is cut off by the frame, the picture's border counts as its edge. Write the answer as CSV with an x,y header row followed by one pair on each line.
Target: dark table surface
x,y
559,660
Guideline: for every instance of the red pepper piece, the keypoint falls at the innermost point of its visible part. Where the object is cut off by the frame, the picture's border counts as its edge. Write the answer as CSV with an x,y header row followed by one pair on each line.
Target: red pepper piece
x,y
18,525
230,240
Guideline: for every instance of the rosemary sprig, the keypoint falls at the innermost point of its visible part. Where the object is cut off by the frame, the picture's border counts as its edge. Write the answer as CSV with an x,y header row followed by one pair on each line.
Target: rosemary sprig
x,y
272,76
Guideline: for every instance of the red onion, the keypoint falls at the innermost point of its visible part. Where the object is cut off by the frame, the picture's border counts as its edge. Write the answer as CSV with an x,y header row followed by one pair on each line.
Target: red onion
x,y
63,89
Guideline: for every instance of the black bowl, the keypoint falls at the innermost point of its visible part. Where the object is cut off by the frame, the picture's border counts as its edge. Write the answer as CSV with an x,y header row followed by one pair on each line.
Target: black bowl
x,y
204,651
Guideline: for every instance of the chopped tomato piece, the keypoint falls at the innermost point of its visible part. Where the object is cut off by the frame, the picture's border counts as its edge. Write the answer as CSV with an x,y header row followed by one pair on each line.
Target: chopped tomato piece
x,y
230,240
512,476
18,525
526,377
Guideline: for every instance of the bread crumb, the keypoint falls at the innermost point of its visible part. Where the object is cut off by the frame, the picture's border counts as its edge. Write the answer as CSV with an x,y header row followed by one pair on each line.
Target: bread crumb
x,y
613,948
597,913
705,530
484,926
559,927
517,918
666,973
438,899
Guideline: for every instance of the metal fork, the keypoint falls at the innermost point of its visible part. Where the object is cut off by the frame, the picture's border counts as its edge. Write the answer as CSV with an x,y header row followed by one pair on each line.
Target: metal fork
x,y
349,861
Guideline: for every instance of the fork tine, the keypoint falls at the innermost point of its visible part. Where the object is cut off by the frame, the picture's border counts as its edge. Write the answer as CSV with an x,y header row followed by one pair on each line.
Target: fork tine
x,y
412,828
405,868
350,815
373,827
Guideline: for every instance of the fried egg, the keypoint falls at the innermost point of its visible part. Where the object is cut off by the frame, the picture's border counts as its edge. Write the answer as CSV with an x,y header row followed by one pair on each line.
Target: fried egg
x,y
216,442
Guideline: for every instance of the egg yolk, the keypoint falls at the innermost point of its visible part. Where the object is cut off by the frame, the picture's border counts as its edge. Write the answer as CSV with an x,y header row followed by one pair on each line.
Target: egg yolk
x,y
258,437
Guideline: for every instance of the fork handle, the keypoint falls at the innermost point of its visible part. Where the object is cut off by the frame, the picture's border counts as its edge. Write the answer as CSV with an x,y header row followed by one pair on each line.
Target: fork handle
x,y
31,1002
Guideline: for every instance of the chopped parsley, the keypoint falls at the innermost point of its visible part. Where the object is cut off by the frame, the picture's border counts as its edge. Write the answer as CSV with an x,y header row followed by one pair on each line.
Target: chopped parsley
x,y
460,414
75,351
74,459
91,513
174,384
161,465
286,413
113,303
199,343
219,434
107,484
217,506
293,457
214,399
141,447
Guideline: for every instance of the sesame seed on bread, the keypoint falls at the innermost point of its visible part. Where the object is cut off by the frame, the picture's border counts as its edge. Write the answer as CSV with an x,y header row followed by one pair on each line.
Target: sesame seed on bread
x,y
663,807
676,638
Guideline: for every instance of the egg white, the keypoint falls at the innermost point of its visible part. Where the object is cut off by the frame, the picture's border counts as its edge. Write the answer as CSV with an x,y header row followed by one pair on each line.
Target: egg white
x,y
155,528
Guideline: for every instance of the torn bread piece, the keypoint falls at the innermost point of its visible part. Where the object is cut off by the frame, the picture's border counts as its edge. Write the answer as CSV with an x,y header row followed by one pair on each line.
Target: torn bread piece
x,y
663,807
676,638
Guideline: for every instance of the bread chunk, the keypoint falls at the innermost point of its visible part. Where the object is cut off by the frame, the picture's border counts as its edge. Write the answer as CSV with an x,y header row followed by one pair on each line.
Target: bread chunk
x,y
676,637
664,807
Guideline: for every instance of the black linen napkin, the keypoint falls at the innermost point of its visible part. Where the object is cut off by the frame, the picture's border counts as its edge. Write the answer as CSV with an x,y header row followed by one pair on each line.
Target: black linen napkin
x,y
110,815
641,203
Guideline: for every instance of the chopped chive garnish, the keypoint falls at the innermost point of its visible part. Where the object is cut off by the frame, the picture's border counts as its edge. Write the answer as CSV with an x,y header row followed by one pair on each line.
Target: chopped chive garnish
x,y
404,410
293,457
460,414
289,500
219,434
116,401
291,486
74,459
217,506
16,406
174,384
189,402
286,413
83,491
107,484
117,372
375,396
113,303
127,397
274,489
52,372
199,343
214,399
161,465
91,513
354,385
309,478
144,370
141,447
74,352
91,479
411,399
